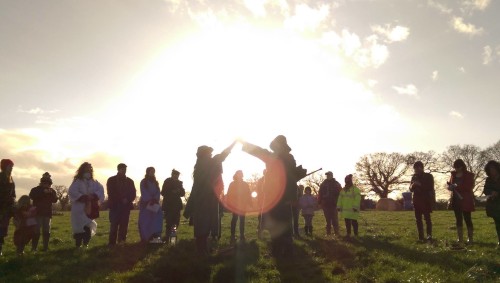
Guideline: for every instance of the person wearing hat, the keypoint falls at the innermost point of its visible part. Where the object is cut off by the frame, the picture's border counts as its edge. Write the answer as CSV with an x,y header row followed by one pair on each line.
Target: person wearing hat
x,y
172,191
348,204
203,206
121,195
7,197
328,196
43,197
282,175
422,187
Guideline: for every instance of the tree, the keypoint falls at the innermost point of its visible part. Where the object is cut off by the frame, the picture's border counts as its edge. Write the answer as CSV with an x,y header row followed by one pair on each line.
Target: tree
x,y
474,157
62,196
382,172
430,160
314,181
493,152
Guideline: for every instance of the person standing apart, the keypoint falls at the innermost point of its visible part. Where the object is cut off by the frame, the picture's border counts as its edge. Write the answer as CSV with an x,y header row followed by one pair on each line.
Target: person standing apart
x,y
422,187
172,191
461,185
348,204
85,194
121,195
7,198
328,195
150,214
43,197
492,190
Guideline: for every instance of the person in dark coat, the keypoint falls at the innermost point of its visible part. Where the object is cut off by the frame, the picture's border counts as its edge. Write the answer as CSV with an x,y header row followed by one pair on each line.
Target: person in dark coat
x,y
238,200
261,197
461,185
328,195
7,197
43,197
422,186
25,222
492,190
282,176
121,195
296,211
172,191
203,203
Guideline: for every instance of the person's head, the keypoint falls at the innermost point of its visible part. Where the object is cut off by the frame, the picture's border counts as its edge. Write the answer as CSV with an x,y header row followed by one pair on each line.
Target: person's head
x,y
204,152
418,167
301,188
459,165
46,180
307,190
175,174
348,181
329,175
238,175
150,172
24,201
85,171
280,145
492,169
6,165
122,169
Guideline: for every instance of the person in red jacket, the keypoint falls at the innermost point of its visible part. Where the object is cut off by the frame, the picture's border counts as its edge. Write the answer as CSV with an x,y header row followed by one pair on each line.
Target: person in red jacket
x,y
461,185
422,187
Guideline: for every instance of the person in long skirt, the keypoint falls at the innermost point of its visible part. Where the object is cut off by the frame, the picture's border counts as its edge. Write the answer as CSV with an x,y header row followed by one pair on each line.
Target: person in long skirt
x,y
150,213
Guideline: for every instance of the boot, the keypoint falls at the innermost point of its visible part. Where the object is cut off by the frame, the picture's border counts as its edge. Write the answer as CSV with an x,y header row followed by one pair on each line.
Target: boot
x,y
1,245
470,235
46,237
34,242
420,230
460,234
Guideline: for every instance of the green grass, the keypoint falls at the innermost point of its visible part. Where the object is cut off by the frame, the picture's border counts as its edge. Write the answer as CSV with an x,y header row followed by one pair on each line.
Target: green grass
x,y
385,252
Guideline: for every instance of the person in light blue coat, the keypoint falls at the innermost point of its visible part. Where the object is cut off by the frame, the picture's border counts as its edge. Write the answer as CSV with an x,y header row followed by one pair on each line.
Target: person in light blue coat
x,y
150,213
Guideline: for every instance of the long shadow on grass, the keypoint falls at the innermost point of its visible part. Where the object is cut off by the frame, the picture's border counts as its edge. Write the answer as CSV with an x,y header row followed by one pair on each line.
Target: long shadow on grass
x,y
181,263
76,265
335,251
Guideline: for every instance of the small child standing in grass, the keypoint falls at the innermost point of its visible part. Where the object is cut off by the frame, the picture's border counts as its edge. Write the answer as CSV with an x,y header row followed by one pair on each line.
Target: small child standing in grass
x,y
308,204
25,222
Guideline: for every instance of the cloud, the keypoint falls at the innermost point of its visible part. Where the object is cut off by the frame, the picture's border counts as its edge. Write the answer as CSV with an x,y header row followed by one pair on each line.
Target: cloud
x,y
487,55
410,90
456,115
307,18
257,7
440,7
435,75
462,70
471,5
372,83
37,111
397,33
462,27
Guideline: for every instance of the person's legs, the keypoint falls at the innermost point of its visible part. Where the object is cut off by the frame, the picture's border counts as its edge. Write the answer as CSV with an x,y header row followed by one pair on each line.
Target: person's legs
x,y
497,226
348,226
459,224
295,215
36,235
428,225
78,239
113,232
420,225
328,218
86,236
123,225
470,227
335,220
242,227
355,226
46,224
234,219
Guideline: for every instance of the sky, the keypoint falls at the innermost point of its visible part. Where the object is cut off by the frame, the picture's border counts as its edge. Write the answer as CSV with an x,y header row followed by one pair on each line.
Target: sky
x,y
147,82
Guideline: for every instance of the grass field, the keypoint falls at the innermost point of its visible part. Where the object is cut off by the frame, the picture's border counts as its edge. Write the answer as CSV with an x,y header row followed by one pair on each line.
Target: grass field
x,y
386,251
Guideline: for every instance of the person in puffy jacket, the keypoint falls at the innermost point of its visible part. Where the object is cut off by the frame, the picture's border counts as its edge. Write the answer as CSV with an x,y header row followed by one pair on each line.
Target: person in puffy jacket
x,y
308,204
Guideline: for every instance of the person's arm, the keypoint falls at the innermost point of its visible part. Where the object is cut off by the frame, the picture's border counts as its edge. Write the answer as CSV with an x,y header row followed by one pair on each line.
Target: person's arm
x,y
110,190
340,202
53,195
357,199
164,188
467,186
224,154
99,191
133,191
256,151
182,191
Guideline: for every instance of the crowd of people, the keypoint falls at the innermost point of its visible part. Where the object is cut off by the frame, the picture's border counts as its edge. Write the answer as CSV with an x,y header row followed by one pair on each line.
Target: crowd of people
x,y
280,202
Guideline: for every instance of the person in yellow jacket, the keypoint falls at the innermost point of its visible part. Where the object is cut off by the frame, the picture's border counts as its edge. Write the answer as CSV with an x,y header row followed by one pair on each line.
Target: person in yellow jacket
x,y
348,205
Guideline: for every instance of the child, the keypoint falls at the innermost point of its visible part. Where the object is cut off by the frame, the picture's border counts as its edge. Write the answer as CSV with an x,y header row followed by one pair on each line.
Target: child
x,y
308,204
348,204
25,222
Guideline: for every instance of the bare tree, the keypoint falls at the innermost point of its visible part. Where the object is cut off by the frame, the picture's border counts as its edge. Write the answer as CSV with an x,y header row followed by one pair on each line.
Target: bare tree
x,y
313,181
382,172
474,157
252,181
493,152
430,160
62,196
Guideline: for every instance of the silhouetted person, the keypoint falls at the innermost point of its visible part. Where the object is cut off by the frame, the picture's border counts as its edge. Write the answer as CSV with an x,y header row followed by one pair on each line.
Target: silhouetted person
x,y
172,191
150,213
348,204
121,196
43,197
328,195
308,203
85,193
422,186
461,185
203,203
25,222
261,195
282,176
492,190
238,199
7,198
296,210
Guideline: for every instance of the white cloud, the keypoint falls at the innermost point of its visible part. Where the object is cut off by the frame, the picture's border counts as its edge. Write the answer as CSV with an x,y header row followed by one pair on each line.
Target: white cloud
x,y
397,33
37,111
410,90
462,27
471,5
456,114
435,75
462,70
372,83
440,7
487,55
307,18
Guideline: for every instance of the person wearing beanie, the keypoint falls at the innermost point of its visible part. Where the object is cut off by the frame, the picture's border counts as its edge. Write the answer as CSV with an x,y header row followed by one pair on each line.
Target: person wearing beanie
x,y
172,191
348,205
7,197
43,197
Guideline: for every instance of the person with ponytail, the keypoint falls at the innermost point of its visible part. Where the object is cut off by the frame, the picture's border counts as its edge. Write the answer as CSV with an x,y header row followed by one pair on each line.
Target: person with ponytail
x,y
348,205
